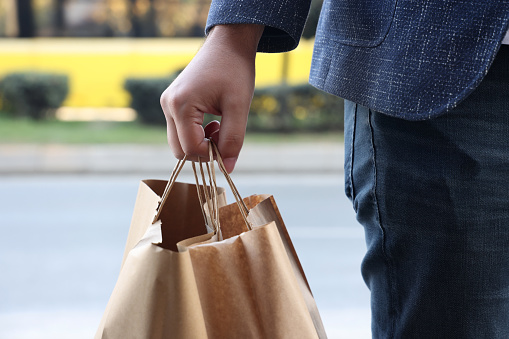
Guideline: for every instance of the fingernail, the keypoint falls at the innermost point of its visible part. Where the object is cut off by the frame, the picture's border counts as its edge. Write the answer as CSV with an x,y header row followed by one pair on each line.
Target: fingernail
x,y
229,163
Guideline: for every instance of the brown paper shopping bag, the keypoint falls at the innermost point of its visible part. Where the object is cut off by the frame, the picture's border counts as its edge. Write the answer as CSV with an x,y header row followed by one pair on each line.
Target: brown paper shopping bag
x,y
242,280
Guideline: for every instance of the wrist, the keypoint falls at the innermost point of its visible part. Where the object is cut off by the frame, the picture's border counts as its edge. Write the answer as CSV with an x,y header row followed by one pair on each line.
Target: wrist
x,y
244,38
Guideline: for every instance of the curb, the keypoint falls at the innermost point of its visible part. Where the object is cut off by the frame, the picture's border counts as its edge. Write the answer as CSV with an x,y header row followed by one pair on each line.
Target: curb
x,y
30,159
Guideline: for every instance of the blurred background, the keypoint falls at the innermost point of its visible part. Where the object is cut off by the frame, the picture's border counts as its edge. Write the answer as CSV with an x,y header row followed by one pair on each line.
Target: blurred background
x,y
81,125
120,54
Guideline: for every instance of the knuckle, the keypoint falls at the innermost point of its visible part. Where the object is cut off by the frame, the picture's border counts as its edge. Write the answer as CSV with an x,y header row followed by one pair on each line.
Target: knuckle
x,y
175,103
171,97
164,98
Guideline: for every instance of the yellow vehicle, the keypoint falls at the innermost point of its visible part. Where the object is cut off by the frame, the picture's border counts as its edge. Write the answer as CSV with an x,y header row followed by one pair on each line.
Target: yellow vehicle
x,y
97,68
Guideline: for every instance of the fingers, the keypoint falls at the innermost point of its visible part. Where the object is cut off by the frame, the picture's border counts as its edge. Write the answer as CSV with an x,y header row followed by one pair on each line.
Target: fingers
x,y
229,134
191,135
184,118
184,127
184,112
230,143
187,136
172,136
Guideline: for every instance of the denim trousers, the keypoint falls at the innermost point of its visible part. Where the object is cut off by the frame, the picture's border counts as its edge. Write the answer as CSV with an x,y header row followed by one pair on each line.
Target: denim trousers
x,y
433,198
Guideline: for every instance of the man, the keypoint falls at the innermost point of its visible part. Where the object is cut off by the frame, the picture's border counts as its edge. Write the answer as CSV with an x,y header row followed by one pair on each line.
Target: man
x,y
426,138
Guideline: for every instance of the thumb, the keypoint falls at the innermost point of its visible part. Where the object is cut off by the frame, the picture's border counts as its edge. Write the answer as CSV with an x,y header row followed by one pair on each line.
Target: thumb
x,y
231,137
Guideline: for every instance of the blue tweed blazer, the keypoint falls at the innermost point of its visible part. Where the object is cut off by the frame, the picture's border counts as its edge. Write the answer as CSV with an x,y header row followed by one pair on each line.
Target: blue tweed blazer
x,y
413,59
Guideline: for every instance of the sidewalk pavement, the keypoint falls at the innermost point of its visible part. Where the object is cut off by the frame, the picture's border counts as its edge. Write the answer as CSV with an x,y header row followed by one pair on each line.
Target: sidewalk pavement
x,y
292,157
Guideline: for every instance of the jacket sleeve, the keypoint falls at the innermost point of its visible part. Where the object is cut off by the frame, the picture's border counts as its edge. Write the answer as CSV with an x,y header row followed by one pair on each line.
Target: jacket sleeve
x,y
283,19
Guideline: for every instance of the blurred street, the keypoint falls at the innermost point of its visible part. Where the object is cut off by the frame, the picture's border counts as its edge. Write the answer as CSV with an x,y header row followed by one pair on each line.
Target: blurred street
x,y
157,160
64,235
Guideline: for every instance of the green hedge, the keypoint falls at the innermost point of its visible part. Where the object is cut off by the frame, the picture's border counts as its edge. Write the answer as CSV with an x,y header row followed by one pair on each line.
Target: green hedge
x,y
301,108
145,97
33,94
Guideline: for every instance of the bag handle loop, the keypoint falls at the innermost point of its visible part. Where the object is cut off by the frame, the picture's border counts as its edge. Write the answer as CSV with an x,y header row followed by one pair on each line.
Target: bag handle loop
x,y
208,192
240,202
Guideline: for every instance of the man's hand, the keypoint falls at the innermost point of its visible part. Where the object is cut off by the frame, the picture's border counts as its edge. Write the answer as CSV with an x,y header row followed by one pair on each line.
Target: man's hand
x,y
219,80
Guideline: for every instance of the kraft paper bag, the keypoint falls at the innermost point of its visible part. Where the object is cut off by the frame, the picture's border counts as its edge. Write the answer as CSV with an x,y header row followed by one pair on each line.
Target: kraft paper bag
x,y
184,201
263,210
242,280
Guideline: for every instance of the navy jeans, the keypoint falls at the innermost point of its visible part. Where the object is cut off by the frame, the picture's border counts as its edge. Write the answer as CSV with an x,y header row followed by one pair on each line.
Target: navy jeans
x,y
433,198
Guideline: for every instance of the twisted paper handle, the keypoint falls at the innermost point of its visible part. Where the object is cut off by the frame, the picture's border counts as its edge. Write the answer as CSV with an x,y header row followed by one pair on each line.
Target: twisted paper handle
x,y
238,198
207,193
